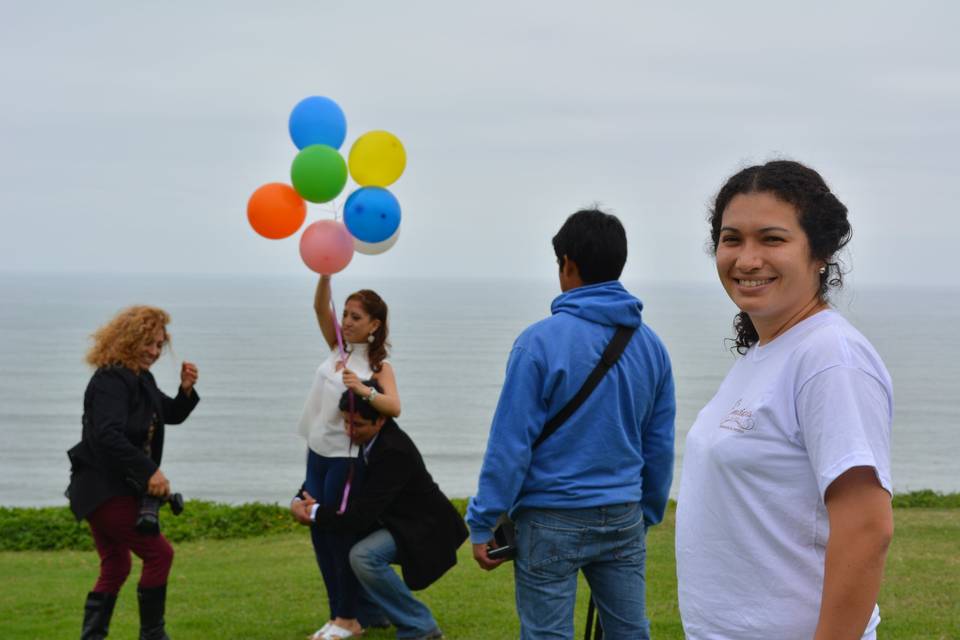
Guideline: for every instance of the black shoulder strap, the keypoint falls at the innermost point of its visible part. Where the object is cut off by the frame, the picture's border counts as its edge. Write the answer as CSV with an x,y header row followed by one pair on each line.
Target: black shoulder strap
x,y
609,358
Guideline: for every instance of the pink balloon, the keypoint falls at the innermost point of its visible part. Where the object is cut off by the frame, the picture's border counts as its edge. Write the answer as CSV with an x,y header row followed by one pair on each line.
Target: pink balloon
x,y
326,246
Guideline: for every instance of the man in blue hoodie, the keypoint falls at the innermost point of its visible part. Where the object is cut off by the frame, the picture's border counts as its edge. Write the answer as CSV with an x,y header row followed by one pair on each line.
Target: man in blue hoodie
x,y
584,498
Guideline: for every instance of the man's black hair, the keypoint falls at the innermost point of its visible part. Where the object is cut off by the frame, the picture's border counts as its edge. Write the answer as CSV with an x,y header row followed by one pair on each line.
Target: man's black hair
x,y
361,407
596,241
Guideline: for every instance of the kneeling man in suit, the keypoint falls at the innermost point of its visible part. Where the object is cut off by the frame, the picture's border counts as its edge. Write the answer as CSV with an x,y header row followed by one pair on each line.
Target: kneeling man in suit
x,y
401,515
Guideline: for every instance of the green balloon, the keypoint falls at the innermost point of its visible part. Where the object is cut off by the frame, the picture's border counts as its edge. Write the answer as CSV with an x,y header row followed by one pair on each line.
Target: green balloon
x,y
318,173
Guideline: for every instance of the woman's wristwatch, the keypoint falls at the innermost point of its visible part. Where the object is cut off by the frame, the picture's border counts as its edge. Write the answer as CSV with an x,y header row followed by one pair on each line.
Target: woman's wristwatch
x,y
373,394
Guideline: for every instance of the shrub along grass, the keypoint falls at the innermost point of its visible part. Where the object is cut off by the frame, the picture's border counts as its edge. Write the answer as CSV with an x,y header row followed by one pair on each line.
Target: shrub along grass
x,y
54,528
264,587
926,499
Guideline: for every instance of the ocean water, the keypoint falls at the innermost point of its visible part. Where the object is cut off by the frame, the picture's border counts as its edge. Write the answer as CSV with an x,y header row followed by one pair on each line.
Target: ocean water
x,y
257,345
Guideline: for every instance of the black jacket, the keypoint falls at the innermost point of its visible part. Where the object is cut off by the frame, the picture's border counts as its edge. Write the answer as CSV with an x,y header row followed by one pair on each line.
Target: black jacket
x,y
398,494
118,408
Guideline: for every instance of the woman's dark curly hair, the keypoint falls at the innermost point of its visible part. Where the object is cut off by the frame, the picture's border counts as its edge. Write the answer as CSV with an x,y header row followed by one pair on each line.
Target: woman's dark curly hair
x,y
822,216
376,308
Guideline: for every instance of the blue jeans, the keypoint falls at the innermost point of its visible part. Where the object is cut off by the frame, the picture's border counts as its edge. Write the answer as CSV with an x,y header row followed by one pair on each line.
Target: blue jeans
x,y
607,543
325,480
371,559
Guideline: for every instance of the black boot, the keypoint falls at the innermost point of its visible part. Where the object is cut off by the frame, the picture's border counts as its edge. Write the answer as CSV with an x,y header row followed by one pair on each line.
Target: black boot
x,y
152,604
96,615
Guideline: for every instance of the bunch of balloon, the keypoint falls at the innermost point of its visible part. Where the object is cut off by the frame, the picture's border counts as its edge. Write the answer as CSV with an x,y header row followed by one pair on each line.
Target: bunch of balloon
x,y
372,214
318,174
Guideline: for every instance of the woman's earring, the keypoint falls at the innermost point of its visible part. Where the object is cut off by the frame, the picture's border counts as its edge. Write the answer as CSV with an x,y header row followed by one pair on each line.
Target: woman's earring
x,y
370,338
823,270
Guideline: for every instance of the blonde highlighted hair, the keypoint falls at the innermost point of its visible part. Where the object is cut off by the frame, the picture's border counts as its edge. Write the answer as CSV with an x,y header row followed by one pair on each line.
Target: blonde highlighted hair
x,y
121,340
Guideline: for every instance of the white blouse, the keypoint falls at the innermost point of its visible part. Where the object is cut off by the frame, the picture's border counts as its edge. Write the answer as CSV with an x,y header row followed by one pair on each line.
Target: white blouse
x,y
322,423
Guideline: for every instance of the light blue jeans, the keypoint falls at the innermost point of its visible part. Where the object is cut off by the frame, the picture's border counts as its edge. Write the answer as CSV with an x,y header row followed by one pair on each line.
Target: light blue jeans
x,y
371,559
607,543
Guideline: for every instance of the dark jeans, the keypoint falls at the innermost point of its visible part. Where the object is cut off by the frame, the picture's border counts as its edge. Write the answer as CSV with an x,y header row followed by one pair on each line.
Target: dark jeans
x,y
326,478
112,525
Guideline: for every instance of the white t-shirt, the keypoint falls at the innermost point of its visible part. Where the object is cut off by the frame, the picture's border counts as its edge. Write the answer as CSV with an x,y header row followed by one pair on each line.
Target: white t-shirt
x,y
752,528
322,423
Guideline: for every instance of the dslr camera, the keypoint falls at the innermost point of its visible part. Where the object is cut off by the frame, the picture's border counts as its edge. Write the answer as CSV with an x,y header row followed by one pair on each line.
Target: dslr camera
x,y
148,520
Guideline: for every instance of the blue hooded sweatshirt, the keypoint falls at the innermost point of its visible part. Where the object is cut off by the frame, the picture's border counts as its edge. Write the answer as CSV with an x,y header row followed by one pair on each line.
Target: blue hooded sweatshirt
x,y
616,448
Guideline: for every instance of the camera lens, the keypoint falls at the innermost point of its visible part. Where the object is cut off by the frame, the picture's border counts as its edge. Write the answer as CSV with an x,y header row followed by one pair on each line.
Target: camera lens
x,y
148,520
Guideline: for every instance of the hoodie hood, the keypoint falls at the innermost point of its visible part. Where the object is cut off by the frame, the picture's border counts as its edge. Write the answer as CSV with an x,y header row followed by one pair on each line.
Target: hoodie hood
x,y
606,303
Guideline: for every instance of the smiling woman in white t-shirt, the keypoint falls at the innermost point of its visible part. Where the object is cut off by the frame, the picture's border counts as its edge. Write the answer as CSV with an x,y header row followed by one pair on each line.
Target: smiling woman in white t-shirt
x,y
784,514
330,455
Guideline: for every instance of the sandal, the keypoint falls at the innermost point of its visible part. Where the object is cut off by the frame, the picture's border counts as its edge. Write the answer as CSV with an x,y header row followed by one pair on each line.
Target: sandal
x,y
319,633
336,632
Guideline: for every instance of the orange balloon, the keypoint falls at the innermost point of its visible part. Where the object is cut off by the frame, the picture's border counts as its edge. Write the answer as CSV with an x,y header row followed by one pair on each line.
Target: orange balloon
x,y
276,210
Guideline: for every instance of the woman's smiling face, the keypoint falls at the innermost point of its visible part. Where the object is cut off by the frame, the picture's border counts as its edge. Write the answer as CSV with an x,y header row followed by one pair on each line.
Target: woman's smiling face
x,y
357,324
151,349
763,260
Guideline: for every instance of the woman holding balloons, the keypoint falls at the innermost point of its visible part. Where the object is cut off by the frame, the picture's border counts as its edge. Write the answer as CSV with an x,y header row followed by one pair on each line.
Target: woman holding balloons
x,y
370,225
358,352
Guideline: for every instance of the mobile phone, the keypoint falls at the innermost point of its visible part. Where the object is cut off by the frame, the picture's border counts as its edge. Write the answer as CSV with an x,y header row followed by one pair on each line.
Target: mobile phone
x,y
506,552
503,546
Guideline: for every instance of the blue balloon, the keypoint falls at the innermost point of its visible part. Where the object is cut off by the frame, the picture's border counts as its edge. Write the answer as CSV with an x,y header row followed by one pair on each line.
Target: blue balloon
x,y
317,120
372,214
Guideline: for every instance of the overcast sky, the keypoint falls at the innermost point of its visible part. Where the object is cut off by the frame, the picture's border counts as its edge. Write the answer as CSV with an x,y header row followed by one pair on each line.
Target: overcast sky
x,y
133,132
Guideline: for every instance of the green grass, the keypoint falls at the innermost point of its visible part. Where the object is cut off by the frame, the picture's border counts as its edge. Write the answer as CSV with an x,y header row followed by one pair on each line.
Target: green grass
x,y
268,587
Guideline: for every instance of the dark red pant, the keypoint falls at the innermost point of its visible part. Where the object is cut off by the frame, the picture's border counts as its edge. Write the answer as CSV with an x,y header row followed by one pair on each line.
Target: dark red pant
x,y
112,526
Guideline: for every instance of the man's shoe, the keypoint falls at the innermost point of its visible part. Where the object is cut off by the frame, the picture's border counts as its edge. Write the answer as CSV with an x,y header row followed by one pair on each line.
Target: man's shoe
x,y
436,634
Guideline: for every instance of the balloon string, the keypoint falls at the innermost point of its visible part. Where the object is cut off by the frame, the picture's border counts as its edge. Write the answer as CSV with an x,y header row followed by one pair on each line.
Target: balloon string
x,y
343,362
336,325
346,487
333,207
346,491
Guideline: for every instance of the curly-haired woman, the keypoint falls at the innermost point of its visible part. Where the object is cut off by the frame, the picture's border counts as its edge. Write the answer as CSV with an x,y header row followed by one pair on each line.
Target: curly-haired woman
x,y
118,461
330,456
784,514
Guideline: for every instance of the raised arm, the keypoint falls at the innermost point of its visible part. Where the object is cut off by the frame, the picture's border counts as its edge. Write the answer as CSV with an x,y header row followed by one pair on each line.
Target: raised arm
x,y
321,306
176,409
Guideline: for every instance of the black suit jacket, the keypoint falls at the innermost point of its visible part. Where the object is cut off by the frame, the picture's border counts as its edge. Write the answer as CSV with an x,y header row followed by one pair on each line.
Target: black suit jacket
x,y
399,494
110,460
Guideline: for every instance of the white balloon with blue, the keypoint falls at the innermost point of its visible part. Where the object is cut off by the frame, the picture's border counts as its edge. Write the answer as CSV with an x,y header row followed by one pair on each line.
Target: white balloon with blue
x,y
317,120
372,214
375,248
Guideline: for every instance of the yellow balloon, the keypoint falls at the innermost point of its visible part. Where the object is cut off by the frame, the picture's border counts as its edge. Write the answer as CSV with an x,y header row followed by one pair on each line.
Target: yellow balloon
x,y
377,159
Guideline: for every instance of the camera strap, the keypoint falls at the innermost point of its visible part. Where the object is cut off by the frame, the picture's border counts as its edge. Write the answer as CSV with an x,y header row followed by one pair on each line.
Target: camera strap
x,y
611,354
